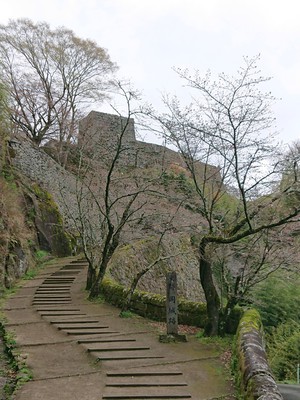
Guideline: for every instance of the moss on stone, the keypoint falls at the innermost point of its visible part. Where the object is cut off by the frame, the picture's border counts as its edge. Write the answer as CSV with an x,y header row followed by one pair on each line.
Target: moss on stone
x,y
250,320
252,372
50,223
152,305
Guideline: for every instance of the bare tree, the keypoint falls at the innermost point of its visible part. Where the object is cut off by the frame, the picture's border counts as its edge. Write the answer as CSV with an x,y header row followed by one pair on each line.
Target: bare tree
x,y
227,141
159,256
4,129
50,75
240,266
110,198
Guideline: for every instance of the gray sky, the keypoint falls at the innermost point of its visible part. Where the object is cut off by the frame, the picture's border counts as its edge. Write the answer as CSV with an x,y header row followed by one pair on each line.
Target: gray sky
x,y
146,38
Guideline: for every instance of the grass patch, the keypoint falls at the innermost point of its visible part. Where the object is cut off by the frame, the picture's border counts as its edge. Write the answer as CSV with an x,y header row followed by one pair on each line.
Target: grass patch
x,y
223,343
96,300
126,314
16,371
32,273
41,254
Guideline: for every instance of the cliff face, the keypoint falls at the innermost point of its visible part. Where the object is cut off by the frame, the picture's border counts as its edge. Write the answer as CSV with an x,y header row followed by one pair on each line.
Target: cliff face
x,y
29,221
162,211
16,237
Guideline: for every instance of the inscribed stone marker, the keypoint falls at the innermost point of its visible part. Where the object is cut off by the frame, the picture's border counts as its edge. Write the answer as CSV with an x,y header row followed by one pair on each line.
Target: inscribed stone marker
x,y
171,305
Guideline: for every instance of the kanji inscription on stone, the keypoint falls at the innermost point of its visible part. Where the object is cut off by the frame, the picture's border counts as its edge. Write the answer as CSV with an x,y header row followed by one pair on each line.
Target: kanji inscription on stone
x,y
171,305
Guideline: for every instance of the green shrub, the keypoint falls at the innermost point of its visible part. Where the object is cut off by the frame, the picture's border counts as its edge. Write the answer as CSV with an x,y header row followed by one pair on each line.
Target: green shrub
x,y
40,254
278,300
284,351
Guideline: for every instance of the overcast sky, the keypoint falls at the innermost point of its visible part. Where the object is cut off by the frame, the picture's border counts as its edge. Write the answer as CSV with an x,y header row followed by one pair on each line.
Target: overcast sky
x,y
146,38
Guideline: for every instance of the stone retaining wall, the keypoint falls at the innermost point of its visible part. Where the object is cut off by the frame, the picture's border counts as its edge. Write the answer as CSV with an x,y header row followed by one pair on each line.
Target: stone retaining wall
x,y
255,377
153,306
39,167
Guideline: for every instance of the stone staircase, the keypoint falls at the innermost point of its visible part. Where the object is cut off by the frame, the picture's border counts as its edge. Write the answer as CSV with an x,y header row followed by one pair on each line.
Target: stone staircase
x,y
133,370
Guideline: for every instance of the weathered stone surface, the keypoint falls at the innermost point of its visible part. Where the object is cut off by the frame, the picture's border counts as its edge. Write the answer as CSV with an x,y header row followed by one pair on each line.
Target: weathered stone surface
x,y
99,132
264,387
257,380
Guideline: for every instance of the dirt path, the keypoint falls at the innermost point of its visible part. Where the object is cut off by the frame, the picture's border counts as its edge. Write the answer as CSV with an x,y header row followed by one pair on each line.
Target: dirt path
x,y
80,350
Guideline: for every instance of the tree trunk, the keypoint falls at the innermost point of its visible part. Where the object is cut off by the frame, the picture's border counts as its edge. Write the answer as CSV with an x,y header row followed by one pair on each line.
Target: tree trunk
x,y
211,295
95,288
130,292
226,324
91,277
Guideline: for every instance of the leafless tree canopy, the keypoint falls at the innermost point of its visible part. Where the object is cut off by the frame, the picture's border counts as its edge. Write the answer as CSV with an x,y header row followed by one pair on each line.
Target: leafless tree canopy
x,y
230,124
49,76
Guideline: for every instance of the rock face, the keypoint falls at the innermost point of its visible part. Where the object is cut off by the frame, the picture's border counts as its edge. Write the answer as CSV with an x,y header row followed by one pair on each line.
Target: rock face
x,y
15,234
29,220
49,224
132,258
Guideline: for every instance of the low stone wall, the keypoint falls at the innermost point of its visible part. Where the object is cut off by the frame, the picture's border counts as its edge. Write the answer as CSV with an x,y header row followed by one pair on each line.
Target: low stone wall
x,y
254,375
153,306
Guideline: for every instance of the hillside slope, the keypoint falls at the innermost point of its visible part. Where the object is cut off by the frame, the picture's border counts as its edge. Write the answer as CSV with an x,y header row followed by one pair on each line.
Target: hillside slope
x,y
161,215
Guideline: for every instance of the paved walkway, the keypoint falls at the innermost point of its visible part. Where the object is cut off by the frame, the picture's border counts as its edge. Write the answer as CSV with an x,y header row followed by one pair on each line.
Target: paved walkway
x,y
85,351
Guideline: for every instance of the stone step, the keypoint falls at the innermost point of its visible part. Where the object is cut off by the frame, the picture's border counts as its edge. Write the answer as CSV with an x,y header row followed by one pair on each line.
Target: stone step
x,y
54,289
146,384
52,296
55,285
66,273
58,279
119,348
74,322
87,341
104,333
142,395
65,309
144,373
51,301
53,292
69,328
127,357
163,378
135,389
89,333
57,314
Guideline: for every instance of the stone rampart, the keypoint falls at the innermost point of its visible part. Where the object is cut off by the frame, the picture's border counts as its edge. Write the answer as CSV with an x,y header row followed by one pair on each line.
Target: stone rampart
x,y
99,134
38,166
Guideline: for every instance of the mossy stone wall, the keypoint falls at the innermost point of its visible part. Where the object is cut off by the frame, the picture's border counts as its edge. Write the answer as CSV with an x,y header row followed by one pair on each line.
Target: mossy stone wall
x,y
153,306
254,375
